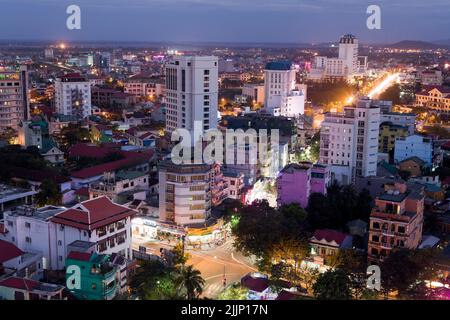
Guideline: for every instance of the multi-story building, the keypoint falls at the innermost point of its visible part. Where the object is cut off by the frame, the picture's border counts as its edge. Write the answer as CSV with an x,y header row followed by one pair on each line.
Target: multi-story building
x,y
120,187
431,77
73,95
345,66
50,230
14,98
192,94
413,146
97,275
281,96
255,92
36,133
257,163
388,133
396,221
435,98
349,141
313,178
18,288
149,87
407,120
185,193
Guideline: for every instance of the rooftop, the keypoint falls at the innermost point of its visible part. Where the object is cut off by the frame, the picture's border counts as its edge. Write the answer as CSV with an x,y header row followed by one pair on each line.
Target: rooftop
x,y
93,214
279,65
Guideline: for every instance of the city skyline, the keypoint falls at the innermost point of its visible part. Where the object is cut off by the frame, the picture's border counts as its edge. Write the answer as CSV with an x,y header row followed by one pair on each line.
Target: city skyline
x,y
234,21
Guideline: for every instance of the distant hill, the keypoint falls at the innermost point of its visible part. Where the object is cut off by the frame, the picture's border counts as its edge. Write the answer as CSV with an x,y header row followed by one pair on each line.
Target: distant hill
x,y
445,42
411,44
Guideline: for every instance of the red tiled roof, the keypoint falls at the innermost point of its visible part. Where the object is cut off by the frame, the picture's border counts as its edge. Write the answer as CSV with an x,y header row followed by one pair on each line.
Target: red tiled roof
x,y
20,283
91,151
330,235
8,251
84,192
80,256
36,175
255,284
131,158
92,214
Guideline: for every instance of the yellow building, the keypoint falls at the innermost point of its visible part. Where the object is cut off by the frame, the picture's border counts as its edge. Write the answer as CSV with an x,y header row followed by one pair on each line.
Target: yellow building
x,y
388,133
436,98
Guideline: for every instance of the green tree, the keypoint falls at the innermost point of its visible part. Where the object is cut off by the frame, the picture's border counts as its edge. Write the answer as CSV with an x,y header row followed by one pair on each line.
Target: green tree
x,y
333,285
153,281
49,194
190,280
234,292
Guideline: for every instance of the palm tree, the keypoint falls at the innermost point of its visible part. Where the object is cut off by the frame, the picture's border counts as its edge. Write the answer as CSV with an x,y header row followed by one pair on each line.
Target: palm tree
x,y
190,280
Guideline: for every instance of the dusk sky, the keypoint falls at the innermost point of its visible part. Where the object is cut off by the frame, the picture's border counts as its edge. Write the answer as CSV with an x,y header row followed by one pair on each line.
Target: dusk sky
x,y
291,21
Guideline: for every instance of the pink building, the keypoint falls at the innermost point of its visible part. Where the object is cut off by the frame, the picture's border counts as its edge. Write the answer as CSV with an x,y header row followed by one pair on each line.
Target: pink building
x,y
297,181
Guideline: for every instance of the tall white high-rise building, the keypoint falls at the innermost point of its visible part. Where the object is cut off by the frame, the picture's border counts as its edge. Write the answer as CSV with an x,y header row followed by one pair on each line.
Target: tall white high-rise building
x,y
348,52
192,94
345,66
282,98
73,95
349,141
14,97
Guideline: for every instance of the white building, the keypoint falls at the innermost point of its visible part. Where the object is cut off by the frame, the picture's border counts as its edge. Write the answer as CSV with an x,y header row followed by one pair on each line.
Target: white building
x,y
14,97
401,119
413,146
192,94
50,230
185,193
345,66
73,96
254,92
349,140
280,92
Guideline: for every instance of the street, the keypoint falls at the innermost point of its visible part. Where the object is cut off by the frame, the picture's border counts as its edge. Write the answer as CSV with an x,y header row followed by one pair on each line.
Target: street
x,y
212,264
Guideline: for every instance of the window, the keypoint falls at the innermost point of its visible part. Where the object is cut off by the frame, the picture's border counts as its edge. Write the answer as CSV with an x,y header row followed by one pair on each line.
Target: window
x,y
59,243
27,225
27,239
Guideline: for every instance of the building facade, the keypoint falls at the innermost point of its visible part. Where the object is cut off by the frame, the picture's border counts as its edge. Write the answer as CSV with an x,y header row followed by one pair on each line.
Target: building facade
x,y
185,194
192,94
14,98
435,98
396,221
350,139
296,182
73,96
414,146
389,132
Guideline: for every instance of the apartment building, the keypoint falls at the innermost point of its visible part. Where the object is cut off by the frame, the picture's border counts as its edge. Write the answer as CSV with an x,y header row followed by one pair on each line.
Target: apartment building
x,y
396,220
14,97
185,193
349,141
73,95
389,132
414,146
296,182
